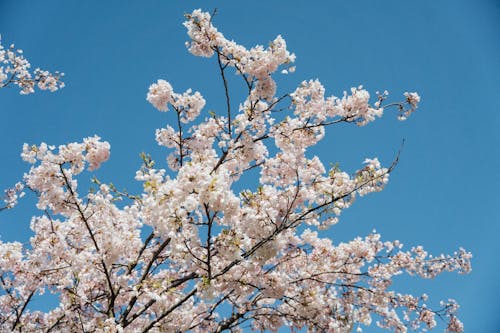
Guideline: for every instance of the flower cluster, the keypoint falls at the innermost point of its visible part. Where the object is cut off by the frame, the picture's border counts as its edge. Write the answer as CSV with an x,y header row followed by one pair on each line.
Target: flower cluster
x,y
56,170
15,69
412,100
187,105
256,64
12,195
199,249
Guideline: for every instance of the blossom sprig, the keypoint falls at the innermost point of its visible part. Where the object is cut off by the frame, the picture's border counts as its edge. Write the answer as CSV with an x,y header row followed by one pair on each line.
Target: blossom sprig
x,y
405,108
12,195
15,70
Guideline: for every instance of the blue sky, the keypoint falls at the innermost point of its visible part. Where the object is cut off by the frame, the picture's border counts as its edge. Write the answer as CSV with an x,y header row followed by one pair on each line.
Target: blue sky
x,y
442,194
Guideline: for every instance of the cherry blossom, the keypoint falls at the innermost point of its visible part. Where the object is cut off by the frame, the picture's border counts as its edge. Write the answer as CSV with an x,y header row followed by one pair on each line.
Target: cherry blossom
x,y
15,70
201,250
12,195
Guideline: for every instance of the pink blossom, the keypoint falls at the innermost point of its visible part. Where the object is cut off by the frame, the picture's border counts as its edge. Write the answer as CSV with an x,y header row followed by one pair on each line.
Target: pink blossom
x,y
160,94
97,152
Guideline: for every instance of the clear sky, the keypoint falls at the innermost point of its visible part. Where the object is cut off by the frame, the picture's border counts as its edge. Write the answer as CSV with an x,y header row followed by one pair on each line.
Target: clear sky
x,y
442,195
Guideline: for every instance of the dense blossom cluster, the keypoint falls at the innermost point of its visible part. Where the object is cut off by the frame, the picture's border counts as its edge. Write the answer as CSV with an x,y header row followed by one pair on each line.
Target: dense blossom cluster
x,y
192,253
257,63
15,70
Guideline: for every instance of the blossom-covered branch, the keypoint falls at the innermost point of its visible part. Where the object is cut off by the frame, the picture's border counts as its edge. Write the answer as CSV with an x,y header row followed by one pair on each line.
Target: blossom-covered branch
x,y
15,71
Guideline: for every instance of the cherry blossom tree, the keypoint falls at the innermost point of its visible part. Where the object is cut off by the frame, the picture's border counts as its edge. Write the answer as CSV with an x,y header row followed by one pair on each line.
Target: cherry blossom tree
x,y
192,253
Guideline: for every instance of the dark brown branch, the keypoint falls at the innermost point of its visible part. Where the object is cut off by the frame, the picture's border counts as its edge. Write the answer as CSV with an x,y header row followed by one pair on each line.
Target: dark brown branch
x,y
19,314
169,311
226,324
111,302
173,285
146,242
133,300
226,89
181,153
54,325
209,241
